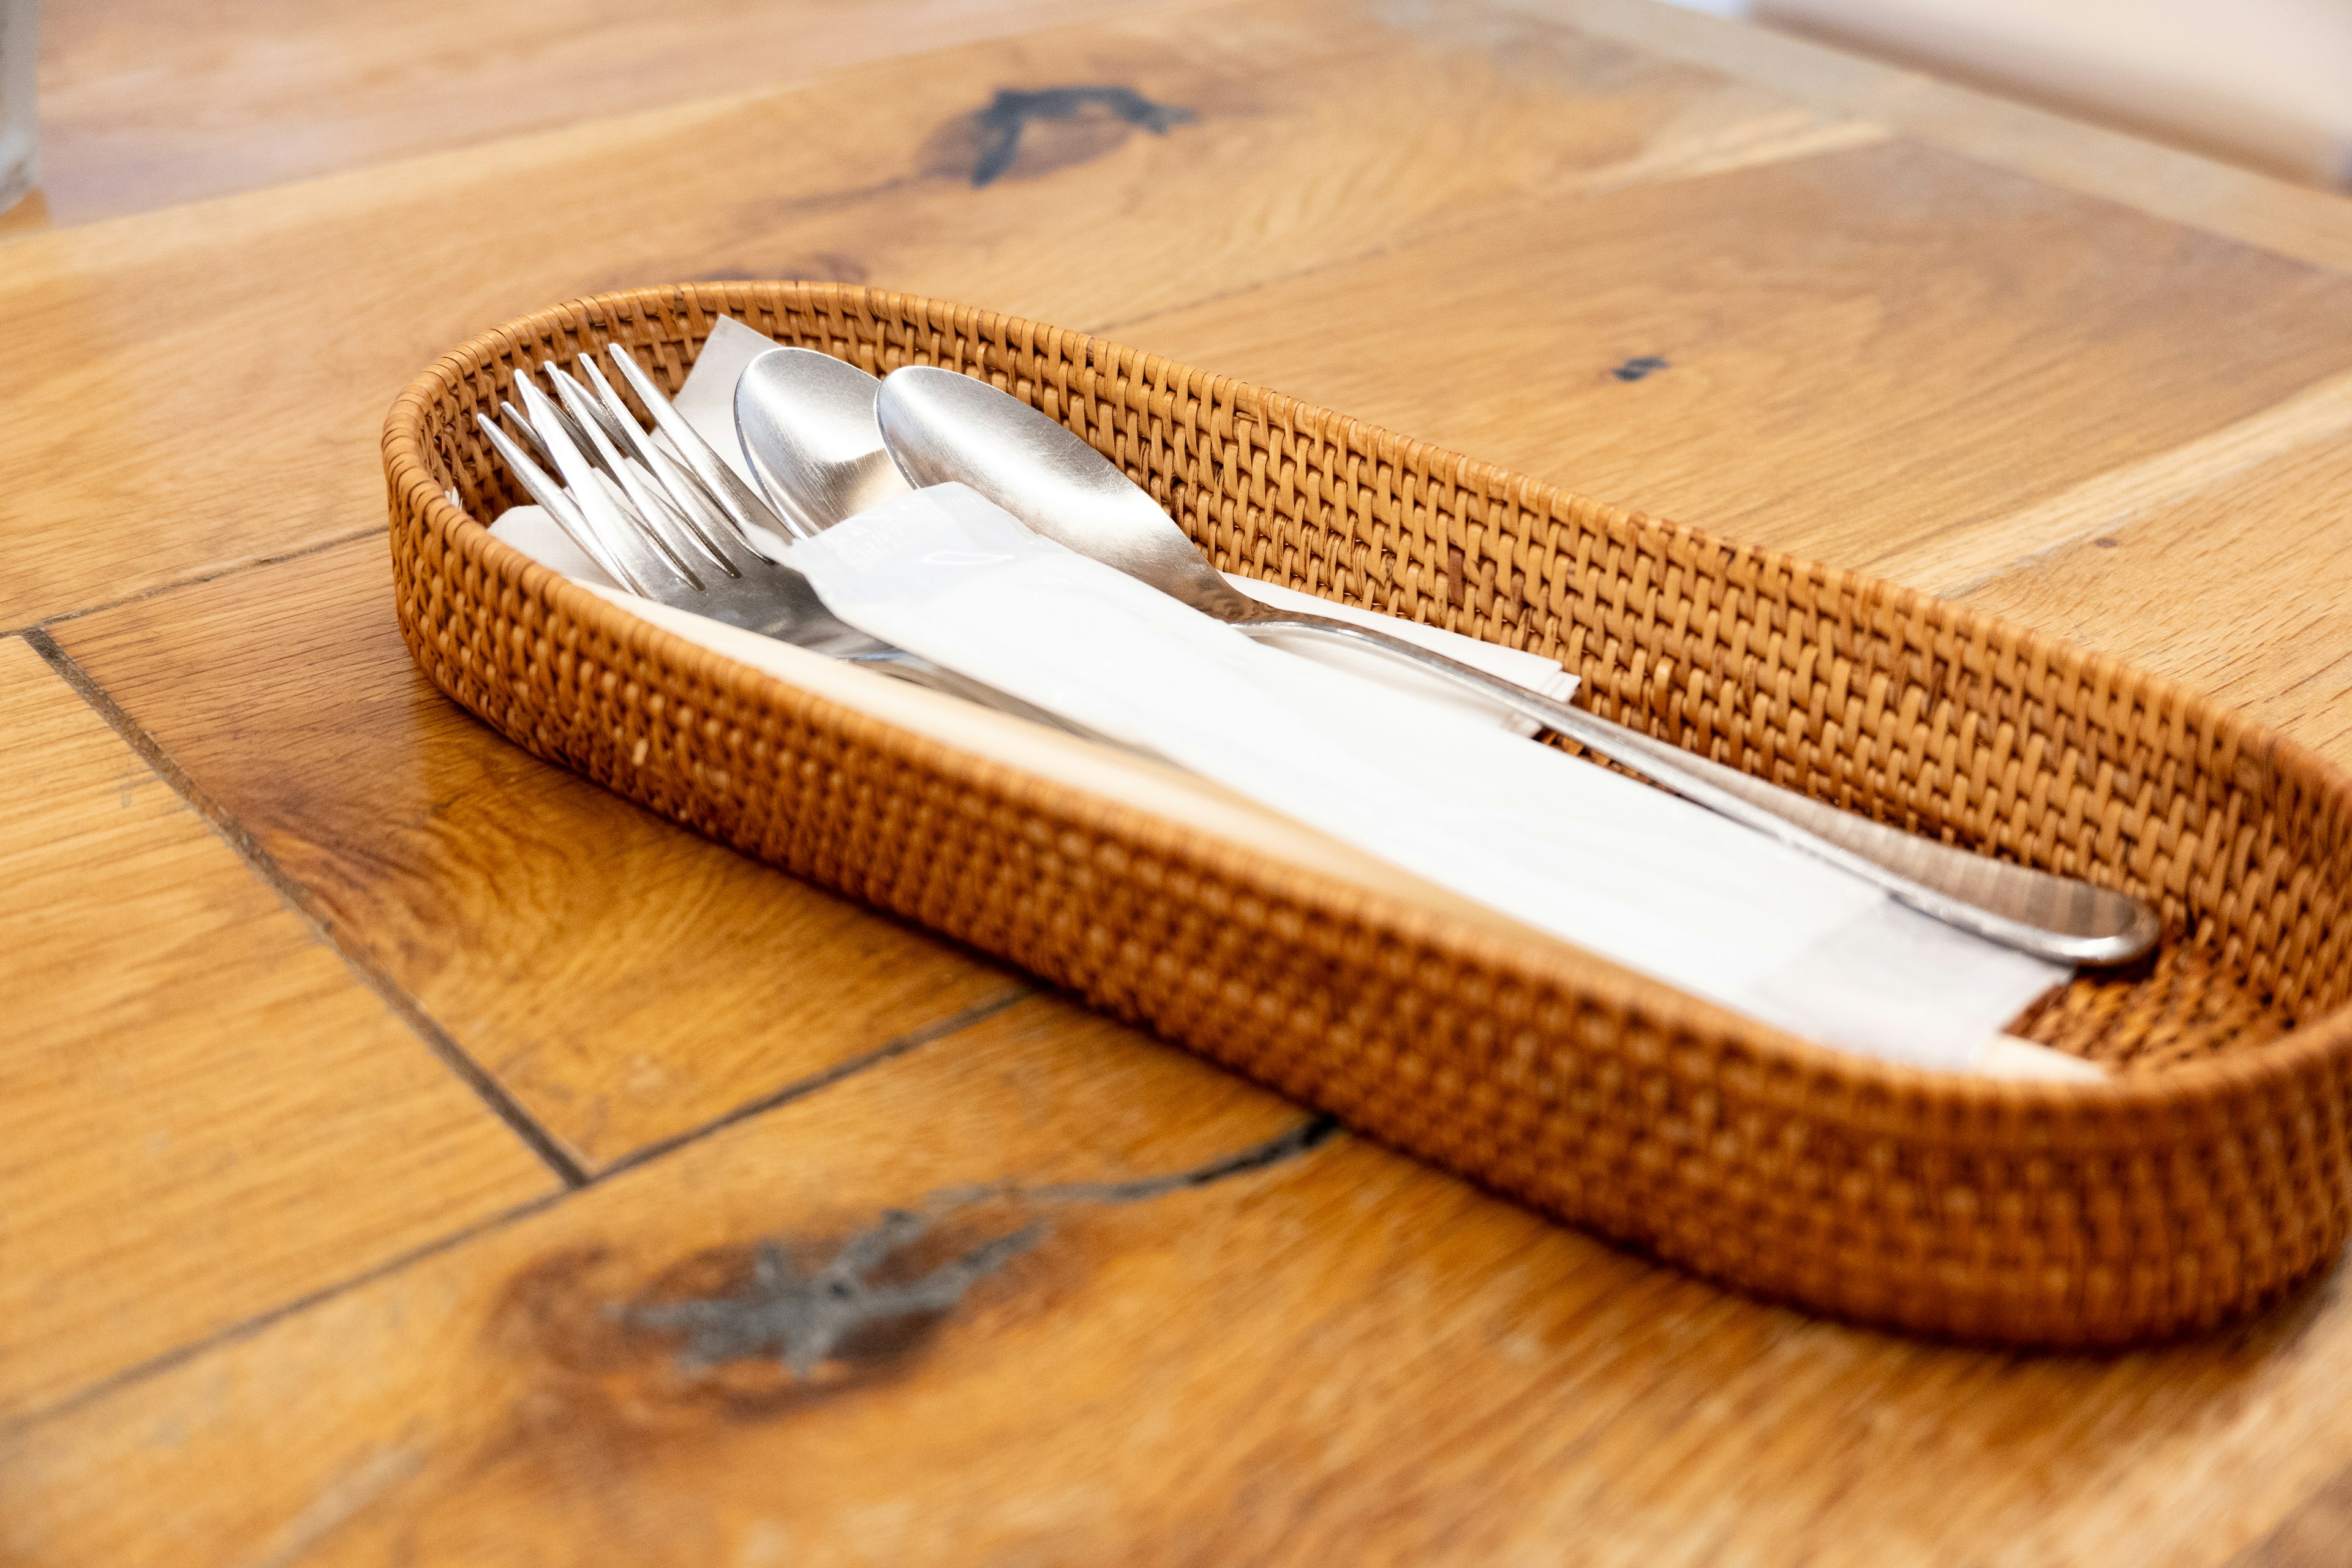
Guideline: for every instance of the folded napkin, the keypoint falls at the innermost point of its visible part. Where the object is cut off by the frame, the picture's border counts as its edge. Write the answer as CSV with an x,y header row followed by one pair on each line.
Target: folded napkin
x,y
1162,791
530,530
1605,862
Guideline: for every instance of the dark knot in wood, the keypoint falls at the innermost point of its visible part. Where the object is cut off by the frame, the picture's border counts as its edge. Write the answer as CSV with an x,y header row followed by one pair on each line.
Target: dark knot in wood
x,y
805,1319
1001,123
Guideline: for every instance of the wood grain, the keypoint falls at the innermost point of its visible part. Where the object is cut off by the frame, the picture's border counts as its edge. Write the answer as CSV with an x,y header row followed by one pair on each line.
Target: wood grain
x,y
29,216
1954,561
203,1113
138,113
1313,140
624,980
1832,355
1873,350
1339,1357
2313,1536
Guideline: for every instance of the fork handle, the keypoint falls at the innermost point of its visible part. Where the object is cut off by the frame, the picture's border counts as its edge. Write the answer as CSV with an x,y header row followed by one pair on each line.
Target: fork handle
x,y
2055,918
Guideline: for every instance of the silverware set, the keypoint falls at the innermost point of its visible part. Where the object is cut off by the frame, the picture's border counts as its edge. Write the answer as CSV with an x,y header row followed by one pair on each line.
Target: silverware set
x,y
664,515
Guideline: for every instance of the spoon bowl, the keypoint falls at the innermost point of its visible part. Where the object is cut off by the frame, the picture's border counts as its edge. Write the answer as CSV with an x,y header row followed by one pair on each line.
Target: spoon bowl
x,y
806,422
1048,477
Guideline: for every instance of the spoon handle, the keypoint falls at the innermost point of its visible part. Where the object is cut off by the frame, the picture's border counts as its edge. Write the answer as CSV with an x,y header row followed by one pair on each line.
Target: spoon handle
x,y
2056,918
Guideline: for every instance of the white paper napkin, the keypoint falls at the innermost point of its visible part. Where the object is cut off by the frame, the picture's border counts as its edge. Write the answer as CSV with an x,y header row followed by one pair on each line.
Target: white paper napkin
x,y
1599,860
530,530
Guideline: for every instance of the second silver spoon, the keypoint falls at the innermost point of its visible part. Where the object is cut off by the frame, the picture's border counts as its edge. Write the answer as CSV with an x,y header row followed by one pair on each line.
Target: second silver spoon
x,y
940,427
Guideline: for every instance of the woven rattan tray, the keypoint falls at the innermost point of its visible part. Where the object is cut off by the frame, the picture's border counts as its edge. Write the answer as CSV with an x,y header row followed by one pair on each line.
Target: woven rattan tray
x,y
2206,1177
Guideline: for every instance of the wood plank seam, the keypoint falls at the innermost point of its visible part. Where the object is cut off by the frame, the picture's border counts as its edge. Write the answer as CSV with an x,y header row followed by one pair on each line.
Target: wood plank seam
x,y
1303,1137
1313,1133
799,1089
456,861
1965,557
194,579
295,897
245,1328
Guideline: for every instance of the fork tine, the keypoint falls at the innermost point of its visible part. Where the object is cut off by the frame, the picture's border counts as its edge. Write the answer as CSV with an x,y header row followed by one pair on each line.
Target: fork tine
x,y
742,506
690,495
531,440
541,487
561,418
709,528
539,449
666,417
585,410
683,479
686,507
653,516
711,523
589,413
620,534
679,525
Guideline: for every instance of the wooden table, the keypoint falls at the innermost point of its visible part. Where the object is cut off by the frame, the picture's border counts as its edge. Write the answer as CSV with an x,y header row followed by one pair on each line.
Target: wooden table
x,y
363,1072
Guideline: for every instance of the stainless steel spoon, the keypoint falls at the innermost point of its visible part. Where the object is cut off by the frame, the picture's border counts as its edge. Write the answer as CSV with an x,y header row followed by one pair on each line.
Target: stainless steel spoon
x,y
806,422
939,426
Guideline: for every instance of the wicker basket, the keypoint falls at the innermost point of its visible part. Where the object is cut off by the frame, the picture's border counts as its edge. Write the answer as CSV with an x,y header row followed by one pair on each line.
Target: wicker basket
x,y
2208,1175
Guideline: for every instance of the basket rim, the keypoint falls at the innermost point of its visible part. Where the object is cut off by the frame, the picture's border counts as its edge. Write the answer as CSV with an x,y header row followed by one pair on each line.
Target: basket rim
x,y
1863,1079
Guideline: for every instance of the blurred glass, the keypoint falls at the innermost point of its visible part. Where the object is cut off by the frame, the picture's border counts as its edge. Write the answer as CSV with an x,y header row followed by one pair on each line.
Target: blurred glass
x,y
20,149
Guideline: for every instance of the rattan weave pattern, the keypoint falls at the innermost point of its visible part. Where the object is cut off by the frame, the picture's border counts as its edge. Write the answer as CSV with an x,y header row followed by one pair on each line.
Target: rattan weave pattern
x,y
2210,1176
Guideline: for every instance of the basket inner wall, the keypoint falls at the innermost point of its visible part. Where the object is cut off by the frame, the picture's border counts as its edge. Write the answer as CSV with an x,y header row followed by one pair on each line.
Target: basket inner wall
x,y
1912,710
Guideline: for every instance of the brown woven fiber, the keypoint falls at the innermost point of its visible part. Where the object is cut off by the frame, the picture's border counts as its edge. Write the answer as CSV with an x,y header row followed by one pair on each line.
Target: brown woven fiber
x,y
2211,1174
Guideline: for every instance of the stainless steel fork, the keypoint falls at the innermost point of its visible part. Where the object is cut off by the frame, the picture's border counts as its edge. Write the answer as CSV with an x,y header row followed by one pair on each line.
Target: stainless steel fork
x,y
660,520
